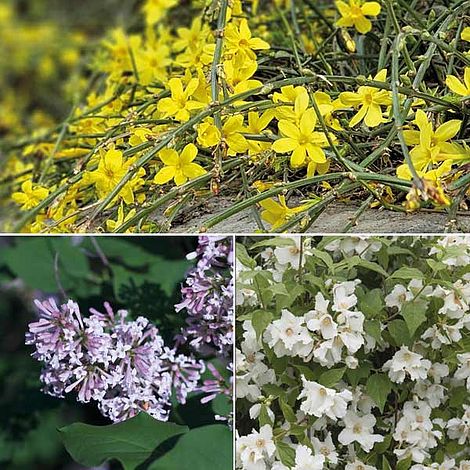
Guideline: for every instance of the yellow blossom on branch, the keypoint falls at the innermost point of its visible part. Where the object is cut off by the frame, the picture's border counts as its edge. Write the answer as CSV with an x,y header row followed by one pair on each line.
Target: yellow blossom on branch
x,y
301,140
180,104
30,196
155,9
354,14
112,167
369,100
179,167
466,34
277,213
240,41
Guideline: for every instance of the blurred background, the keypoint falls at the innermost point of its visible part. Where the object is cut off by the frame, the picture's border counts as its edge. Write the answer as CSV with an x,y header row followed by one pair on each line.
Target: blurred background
x,y
141,274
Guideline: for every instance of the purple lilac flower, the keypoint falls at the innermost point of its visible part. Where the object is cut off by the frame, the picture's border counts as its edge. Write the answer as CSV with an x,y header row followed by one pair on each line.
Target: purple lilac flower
x,y
208,298
208,301
121,364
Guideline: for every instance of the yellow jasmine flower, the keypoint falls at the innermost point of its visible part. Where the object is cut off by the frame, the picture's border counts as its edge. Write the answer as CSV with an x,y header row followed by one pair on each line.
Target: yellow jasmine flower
x,y
111,169
238,74
277,213
113,225
178,167
466,34
354,14
430,147
180,104
190,38
30,196
458,87
369,100
155,9
301,140
151,62
239,40
289,95
256,125
207,133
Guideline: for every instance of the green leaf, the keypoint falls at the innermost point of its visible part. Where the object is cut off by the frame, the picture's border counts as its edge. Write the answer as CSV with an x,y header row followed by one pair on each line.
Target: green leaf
x,y
414,314
306,371
331,377
273,241
207,447
131,442
244,257
286,453
407,273
381,447
355,375
260,320
385,464
323,256
404,464
222,404
287,411
372,303
399,332
458,397
363,263
378,387
264,417
374,329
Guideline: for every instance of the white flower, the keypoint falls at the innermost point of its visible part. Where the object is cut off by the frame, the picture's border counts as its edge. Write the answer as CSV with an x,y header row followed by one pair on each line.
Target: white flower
x,y
359,429
288,336
445,465
343,296
398,297
326,448
405,361
464,465
323,323
443,334
358,465
255,448
362,246
320,400
438,371
463,372
255,411
304,460
459,428
290,254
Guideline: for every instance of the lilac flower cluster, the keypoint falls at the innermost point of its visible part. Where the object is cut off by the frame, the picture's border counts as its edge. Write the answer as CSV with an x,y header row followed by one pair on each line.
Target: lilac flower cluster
x,y
208,298
208,301
121,364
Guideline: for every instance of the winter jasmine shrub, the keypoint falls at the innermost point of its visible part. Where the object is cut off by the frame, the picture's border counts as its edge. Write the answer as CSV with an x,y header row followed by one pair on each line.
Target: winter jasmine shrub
x,y
353,353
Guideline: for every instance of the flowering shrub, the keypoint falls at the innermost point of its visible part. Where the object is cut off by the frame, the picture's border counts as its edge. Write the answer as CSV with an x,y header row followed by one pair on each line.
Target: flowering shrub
x,y
162,379
353,353
360,99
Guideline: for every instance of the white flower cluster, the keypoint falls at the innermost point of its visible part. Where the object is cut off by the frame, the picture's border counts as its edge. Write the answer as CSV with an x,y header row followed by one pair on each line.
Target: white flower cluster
x,y
342,367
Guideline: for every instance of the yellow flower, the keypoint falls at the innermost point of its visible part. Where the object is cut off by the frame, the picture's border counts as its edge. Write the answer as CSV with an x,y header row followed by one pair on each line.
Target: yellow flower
x,y
178,167
111,169
189,38
113,225
289,95
369,100
301,140
155,9
430,147
232,129
466,34
238,73
354,14
207,133
256,125
277,213
239,40
30,196
458,87
180,103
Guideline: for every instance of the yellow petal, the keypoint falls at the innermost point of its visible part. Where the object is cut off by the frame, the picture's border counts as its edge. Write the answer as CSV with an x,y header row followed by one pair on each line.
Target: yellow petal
x,y
374,116
308,122
456,85
285,145
362,24
349,98
288,129
466,79
447,130
370,8
193,170
298,157
169,157
180,178
176,88
188,154
164,175
316,154
359,116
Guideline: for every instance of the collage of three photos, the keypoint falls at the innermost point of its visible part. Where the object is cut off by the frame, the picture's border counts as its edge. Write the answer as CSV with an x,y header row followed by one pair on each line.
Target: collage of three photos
x,y
234,235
